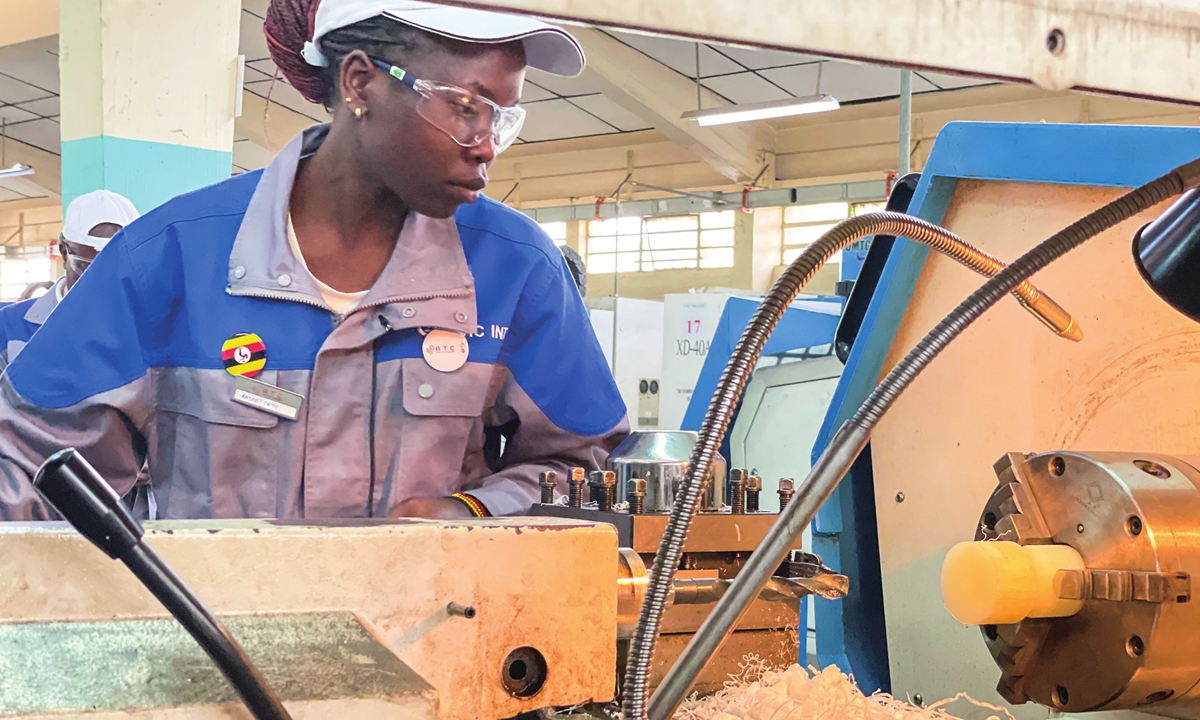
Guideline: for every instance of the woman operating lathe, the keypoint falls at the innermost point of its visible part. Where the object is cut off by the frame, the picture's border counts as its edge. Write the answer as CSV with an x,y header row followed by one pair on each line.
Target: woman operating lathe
x,y
352,331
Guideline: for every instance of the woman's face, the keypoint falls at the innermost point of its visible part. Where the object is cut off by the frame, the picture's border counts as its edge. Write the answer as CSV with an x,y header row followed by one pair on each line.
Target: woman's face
x,y
420,163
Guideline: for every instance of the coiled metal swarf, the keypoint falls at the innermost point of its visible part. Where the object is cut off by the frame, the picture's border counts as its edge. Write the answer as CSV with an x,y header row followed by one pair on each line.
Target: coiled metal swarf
x,y
729,390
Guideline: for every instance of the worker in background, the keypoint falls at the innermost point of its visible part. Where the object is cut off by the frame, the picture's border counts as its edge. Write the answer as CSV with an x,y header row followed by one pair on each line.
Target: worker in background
x,y
577,267
91,221
330,337
35,290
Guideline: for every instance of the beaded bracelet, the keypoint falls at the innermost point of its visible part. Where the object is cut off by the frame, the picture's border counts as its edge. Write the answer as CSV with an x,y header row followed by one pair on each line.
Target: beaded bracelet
x,y
477,508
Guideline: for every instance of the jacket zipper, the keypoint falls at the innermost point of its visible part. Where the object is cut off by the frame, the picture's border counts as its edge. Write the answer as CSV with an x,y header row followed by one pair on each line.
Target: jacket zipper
x,y
385,301
338,319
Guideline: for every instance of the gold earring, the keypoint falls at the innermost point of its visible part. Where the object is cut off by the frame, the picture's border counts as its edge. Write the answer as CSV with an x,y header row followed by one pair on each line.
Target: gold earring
x,y
359,112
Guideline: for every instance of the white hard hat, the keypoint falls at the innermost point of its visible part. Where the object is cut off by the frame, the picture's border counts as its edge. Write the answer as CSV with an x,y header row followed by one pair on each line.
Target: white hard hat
x,y
96,208
546,47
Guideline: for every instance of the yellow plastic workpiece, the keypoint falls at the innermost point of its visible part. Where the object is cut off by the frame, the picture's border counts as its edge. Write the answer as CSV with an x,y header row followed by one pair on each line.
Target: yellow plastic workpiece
x,y
997,583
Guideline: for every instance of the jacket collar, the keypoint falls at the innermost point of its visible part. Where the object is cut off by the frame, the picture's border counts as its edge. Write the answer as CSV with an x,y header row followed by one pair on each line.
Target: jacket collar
x,y
428,266
43,306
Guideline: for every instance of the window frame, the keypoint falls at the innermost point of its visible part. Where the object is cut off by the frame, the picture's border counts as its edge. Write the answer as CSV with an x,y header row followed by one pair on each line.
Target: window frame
x,y
853,209
646,256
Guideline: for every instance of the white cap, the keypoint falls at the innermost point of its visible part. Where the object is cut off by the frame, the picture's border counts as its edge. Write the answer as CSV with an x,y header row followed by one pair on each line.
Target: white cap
x,y
546,47
96,208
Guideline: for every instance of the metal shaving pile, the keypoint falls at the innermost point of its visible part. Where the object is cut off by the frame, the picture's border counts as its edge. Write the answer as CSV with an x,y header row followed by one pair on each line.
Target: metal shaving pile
x,y
799,694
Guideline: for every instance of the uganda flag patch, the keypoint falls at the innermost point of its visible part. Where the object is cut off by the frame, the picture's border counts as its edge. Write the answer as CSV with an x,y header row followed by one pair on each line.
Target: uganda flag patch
x,y
244,355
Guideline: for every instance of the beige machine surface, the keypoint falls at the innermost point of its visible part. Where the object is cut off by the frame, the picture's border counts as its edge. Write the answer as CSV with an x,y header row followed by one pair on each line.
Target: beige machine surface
x,y
1007,385
539,583
1118,46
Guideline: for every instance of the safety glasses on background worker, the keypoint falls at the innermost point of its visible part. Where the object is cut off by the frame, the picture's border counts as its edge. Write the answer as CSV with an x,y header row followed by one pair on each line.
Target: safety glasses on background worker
x,y
466,117
77,262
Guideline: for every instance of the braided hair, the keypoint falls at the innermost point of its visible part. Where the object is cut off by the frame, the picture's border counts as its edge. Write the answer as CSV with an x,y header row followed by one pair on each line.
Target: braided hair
x,y
290,23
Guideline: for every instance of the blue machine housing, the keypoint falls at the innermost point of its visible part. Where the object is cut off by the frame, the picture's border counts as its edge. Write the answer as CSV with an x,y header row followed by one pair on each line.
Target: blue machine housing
x,y
851,633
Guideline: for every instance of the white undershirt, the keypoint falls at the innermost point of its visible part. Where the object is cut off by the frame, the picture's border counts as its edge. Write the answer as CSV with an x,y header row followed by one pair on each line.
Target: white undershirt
x,y
340,302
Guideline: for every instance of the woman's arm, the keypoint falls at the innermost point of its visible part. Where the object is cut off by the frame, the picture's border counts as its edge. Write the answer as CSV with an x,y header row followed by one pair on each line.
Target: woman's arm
x,y
559,395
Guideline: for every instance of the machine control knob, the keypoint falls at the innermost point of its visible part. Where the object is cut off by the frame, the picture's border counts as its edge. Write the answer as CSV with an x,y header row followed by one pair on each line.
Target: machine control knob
x,y
753,488
603,484
635,490
787,488
575,488
547,480
737,491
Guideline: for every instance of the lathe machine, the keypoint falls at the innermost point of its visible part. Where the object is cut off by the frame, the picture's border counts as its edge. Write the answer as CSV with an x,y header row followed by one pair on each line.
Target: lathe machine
x,y
401,619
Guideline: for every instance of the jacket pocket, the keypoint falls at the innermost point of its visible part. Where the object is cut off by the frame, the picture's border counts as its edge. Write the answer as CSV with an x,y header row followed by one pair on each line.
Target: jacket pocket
x,y
213,457
428,392
208,396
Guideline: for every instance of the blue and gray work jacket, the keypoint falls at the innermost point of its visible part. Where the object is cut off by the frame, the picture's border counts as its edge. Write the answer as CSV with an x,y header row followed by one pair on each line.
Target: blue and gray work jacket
x,y
19,321
129,367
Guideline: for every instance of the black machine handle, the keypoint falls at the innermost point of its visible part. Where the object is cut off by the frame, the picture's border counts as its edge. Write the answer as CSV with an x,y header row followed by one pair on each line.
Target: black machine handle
x,y
73,487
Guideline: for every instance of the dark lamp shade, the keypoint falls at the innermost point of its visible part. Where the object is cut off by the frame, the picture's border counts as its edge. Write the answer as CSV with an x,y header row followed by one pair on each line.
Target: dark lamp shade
x,y
1167,253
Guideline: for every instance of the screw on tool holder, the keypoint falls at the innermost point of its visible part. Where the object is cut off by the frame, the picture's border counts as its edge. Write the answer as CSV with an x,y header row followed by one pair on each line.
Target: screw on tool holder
x,y
575,488
635,490
737,491
787,488
547,480
753,487
603,484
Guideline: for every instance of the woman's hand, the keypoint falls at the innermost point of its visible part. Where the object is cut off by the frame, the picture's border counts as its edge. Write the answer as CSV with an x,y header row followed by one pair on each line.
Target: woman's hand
x,y
445,508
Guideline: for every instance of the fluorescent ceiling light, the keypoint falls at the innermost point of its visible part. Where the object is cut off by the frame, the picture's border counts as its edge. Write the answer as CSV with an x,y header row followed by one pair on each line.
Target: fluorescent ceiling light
x,y
763,111
15,171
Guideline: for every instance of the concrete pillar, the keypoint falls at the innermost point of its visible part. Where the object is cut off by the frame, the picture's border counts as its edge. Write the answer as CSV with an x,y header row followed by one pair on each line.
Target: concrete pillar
x,y
742,274
148,96
768,247
577,237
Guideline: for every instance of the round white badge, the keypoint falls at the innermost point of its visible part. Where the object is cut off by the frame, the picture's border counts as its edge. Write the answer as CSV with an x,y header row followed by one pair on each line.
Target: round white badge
x,y
444,350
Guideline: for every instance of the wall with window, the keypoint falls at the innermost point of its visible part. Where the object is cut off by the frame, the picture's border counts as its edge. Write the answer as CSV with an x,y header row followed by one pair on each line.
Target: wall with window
x,y
28,252
725,249
660,255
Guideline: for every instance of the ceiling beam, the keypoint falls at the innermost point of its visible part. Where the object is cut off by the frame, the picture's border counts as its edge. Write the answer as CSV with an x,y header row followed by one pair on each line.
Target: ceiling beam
x,y
659,96
1113,46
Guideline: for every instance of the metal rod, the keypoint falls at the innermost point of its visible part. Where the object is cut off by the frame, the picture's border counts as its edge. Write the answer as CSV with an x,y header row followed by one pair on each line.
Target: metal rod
x,y
616,275
616,267
461,610
684,193
905,121
821,481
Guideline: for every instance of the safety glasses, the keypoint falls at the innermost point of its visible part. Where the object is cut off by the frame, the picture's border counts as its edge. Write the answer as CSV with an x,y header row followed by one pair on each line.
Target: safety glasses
x,y
77,262
466,117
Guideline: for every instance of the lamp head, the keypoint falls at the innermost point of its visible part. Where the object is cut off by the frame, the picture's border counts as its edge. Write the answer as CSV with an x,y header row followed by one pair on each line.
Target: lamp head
x,y
1167,254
